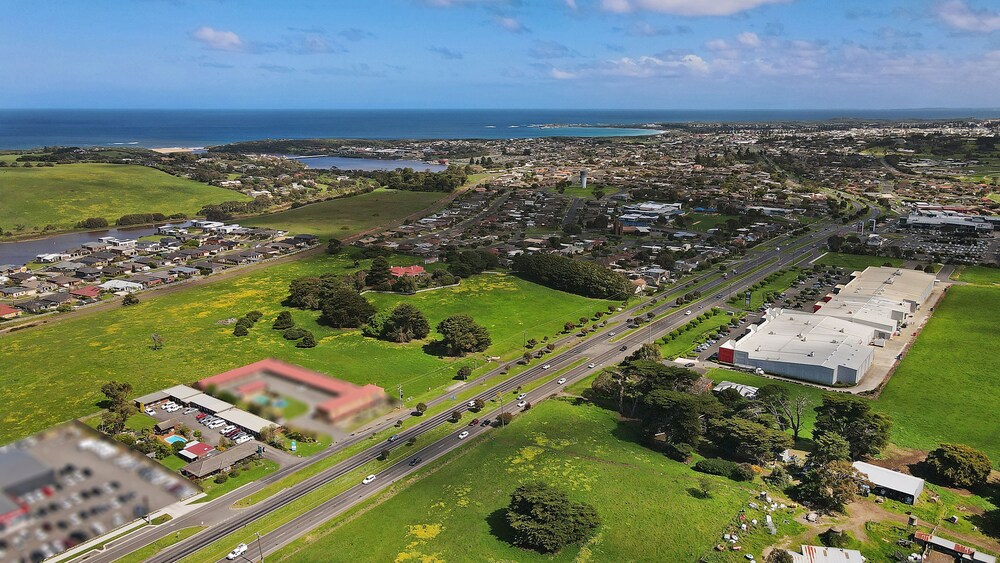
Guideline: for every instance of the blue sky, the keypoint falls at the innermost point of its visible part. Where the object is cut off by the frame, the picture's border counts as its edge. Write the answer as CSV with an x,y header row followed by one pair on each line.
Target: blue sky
x,y
629,54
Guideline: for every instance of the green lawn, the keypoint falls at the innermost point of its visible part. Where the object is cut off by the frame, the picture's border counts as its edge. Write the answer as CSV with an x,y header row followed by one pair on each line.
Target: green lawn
x,y
347,216
67,193
159,545
256,470
293,408
978,275
173,462
702,222
54,372
946,388
684,342
779,283
856,261
455,512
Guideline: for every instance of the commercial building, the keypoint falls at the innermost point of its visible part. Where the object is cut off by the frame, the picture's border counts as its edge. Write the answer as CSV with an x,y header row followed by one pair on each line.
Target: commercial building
x,y
20,473
819,349
880,297
220,462
947,220
835,344
188,396
893,484
346,400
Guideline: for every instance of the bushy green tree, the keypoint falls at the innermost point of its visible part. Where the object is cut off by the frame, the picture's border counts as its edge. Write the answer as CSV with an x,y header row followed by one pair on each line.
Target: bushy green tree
x,y
307,341
344,307
960,465
461,335
830,447
283,321
379,273
544,519
852,417
574,276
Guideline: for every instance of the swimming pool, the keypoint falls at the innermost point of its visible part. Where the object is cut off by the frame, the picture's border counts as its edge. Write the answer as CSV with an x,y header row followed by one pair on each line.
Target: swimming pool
x,y
174,439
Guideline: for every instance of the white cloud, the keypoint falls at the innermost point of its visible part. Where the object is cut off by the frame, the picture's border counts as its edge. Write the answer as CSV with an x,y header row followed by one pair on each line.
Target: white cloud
x,y
717,45
561,74
651,66
688,7
958,14
571,4
511,24
748,39
218,40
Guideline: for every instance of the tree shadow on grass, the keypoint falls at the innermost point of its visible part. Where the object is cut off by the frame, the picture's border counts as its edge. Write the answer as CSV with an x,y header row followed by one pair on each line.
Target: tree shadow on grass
x,y
435,348
698,493
499,527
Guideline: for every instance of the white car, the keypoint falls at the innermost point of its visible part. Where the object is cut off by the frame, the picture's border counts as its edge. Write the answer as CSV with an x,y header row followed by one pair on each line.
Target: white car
x,y
546,366
149,411
242,439
688,312
522,404
522,396
237,551
591,366
612,333
472,404
368,479
463,435
561,380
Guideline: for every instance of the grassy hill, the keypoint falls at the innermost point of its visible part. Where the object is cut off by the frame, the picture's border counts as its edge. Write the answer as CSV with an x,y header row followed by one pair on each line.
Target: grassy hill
x,y
67,193
347,216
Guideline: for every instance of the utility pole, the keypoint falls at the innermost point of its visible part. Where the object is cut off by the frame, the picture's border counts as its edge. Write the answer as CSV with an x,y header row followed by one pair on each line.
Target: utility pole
x,y
400,388
500,396
260,548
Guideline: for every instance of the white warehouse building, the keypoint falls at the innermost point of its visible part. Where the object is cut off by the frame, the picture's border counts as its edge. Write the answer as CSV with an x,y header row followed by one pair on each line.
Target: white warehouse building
x,y
824,350
834,345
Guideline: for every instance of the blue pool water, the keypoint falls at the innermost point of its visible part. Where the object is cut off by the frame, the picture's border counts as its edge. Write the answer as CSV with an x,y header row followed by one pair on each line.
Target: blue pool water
x,y
175,439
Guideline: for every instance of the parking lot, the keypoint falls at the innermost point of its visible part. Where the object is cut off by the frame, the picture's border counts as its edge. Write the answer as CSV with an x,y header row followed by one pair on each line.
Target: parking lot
x,y
195,419
82,485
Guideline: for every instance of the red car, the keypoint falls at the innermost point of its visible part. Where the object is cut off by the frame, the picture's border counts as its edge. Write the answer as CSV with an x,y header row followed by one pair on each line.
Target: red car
x,y
200,415
474,422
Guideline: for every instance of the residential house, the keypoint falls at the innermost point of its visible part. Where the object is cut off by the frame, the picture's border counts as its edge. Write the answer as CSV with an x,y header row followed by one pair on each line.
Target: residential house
x,y
7,312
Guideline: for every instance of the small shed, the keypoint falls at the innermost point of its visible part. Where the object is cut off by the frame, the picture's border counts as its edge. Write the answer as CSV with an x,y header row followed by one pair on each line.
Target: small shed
x,y
165,426
893,484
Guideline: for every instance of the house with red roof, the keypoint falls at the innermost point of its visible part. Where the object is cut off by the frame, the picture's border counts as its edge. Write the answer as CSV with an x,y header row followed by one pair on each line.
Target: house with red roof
x,y
8,312
86,292
406,271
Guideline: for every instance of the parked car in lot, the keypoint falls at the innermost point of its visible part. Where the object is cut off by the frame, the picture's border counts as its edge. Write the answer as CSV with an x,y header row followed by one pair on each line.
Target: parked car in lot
x,y
237,551
242,439
463,435
149,411
367,479
200,416
189,410
227,429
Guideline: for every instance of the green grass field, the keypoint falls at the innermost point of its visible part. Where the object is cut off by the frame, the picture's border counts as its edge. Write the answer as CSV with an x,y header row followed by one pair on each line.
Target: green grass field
x,y
347,216
702,222
55,372
779,284
256,470
67,193
946,386
856,261
684,342
454,513
977,275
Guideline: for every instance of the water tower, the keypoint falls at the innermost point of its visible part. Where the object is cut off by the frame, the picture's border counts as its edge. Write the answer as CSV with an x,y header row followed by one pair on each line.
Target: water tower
x,y
583,178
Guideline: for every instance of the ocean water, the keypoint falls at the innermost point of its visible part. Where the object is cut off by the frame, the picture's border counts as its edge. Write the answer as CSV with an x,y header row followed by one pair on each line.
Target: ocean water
x,y
198,128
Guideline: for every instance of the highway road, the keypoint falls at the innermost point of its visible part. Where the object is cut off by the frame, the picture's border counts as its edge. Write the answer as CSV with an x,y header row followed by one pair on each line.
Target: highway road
x,y
599,349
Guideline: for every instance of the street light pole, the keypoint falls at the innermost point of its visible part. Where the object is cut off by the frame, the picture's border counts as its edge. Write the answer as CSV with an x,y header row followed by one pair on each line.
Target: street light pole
x,y
260,548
